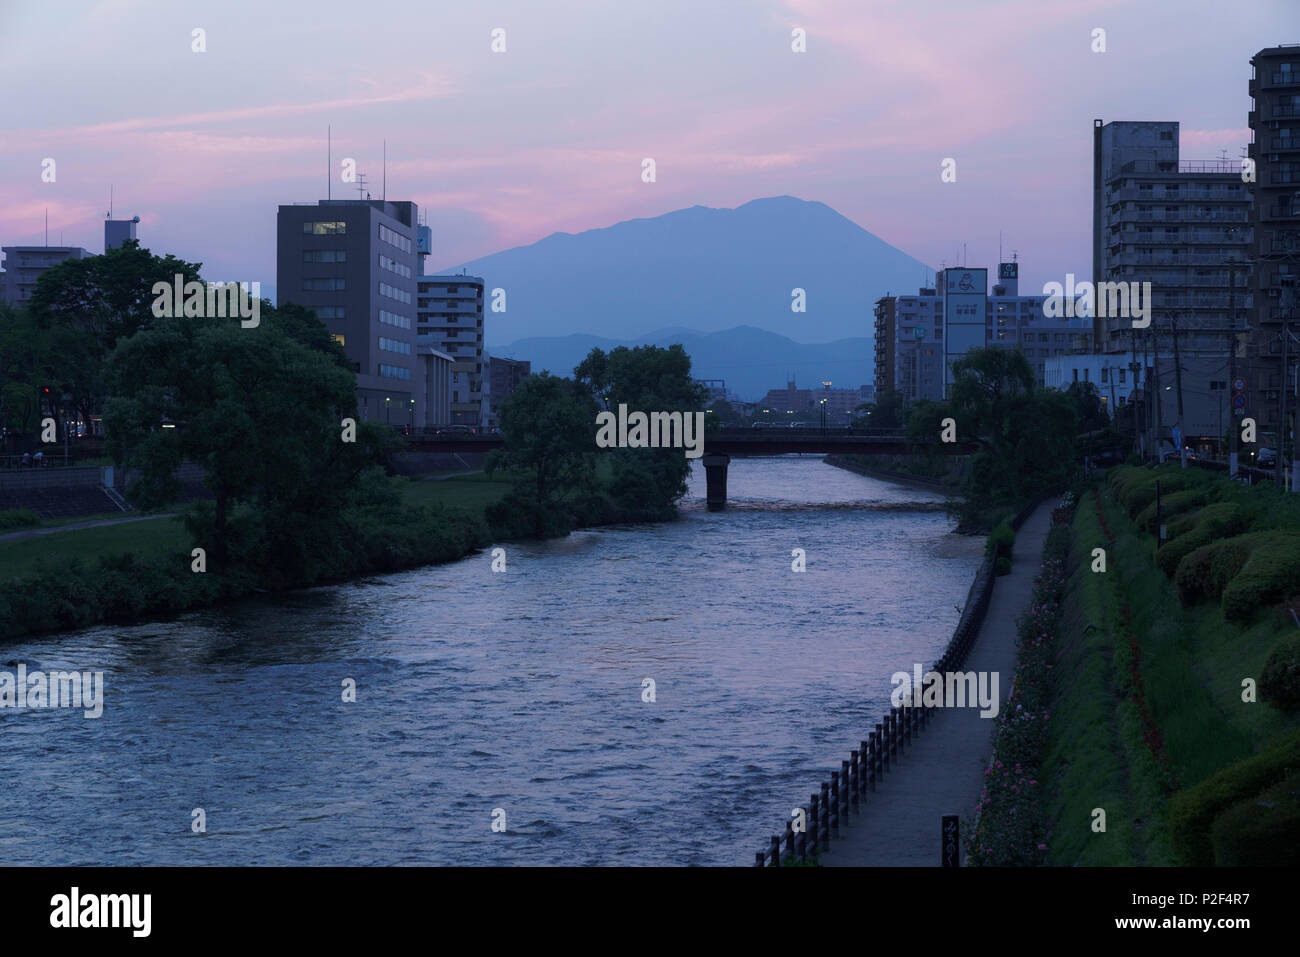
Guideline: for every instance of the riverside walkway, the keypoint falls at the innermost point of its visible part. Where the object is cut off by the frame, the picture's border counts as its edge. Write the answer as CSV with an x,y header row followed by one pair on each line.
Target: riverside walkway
x,y
942,771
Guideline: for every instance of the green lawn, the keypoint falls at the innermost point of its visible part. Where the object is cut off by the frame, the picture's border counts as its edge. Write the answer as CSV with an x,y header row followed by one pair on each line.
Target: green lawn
x,y
159,535
143,539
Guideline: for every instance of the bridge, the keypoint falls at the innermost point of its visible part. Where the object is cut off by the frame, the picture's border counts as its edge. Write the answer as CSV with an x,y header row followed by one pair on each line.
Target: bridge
x,y
721,444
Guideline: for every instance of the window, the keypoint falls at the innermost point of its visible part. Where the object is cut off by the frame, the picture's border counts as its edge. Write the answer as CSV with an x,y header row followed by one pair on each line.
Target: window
x,y
394,345
325,229
329,312
339,339
324,256
394,238
393,265
324,285
392,292
1121,376
394,372
1105,374
393,319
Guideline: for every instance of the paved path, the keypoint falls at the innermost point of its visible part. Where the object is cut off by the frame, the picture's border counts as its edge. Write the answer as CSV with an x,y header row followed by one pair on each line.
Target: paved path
x,y
32,532
942,772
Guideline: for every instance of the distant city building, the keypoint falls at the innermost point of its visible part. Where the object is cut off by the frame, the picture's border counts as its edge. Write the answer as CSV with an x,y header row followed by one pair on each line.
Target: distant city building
x,y
1275,220
119,231
437,383
793,401
23,265
788,401
505,374
355,262
716,390
449,316
935,327
1172,223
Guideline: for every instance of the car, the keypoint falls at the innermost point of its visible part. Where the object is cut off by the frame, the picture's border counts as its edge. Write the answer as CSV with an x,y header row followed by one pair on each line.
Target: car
x,y
1171,455
455,430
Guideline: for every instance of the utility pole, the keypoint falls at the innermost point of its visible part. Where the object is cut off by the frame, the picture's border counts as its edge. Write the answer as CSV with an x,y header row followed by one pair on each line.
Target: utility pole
x,y
1281,396
1155,346
1178,381
1139,425
1233,436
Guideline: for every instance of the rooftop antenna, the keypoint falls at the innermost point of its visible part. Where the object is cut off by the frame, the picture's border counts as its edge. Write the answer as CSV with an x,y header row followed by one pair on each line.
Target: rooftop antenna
x,y
385,192
361,183
329,161
999,245
47,225
110,200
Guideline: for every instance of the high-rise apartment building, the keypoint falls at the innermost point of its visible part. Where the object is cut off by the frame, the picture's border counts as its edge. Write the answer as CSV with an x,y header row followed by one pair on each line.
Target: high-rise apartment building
x,y
1182,226
885,314
1275,281
449,315
355,263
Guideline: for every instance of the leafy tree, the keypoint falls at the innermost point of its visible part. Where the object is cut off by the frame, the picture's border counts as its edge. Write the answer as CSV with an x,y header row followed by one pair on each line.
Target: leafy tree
x,y
885,413
259,411
549,425
87,306
25,359
646,379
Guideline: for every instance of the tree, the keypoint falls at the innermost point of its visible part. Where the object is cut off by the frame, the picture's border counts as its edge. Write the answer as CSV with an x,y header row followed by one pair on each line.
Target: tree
x,y
87,306
646,482
550,433
259,411
25,370
885,413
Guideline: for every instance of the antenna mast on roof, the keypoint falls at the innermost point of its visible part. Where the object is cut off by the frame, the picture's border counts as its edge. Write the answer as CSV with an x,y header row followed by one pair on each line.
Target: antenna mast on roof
x,y
329,161
385,192
361,183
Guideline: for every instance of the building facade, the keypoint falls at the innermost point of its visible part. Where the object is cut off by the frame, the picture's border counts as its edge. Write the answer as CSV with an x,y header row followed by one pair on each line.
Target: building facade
x,y
1182,226
354,262
1274,121
23,265
449,316
505,375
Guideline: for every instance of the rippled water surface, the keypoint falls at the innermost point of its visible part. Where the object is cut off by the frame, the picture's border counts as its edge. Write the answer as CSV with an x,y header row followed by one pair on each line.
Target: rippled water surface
x,y
520,691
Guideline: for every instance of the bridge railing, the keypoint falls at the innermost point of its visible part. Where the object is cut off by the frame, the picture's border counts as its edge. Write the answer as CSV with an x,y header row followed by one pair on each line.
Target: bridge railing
x,y
846,792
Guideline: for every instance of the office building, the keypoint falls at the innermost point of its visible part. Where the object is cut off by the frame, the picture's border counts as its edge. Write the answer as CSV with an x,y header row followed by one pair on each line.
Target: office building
x,y
449,317
23,265
1179,225
119,231
505,375
355,263
1275,219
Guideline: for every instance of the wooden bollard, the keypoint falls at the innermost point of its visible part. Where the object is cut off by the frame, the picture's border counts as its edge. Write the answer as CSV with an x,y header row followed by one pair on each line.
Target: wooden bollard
x,y
776,851
759,859
789,839
869,753
907,725
826,815
893,738
882,759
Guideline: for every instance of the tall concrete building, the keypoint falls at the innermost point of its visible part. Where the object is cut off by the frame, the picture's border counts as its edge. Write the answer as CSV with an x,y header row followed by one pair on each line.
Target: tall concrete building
x,y
1275,290
119,231
449,316
1182,226
506,374
355,263
23,265
885,315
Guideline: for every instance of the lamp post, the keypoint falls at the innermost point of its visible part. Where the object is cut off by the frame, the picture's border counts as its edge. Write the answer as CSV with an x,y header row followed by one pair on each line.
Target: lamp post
x,y
826,383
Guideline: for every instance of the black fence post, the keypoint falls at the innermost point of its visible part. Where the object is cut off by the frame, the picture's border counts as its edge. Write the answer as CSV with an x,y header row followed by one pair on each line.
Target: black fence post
x,y
789,838
826,815
855,767
882,757
759,859
869,749
835,804
776,851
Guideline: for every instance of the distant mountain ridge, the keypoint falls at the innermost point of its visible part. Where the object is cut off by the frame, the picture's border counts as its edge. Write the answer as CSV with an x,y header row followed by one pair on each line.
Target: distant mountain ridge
x,y
699,270
752,361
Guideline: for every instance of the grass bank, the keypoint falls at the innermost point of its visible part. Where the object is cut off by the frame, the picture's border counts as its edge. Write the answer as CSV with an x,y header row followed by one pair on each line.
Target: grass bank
x,y
1156,708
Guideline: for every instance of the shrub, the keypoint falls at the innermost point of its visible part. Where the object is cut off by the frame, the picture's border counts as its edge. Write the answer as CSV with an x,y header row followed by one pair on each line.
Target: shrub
x,y
1212,523
1192,813
1136,494
1204,573
1003,566
1261,831
1001,541
1271,574
1171,505
18,518
1279,682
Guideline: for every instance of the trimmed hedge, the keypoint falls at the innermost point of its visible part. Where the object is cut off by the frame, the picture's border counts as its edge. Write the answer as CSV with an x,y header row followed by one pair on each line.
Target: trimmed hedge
x,y
1212,523
1171,505
18,518
1192,813
1204,573
1136,488
1263,831
1279,682
1271,574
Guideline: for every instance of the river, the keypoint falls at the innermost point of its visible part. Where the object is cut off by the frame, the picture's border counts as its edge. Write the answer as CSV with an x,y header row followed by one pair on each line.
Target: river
x,y
520,691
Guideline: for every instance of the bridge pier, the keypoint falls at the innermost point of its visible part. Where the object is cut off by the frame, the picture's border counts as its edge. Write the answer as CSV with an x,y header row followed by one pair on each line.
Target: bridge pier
x,y
715,477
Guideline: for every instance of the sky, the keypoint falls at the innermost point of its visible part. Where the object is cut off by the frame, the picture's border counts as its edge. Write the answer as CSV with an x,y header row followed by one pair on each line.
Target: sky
x,y
500,149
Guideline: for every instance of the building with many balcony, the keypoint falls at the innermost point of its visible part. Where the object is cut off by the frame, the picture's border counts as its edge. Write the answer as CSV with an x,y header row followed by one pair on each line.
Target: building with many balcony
x,y
449,317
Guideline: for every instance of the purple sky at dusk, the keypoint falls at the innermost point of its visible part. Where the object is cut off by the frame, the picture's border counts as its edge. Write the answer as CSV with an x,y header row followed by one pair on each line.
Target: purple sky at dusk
x,y
500,150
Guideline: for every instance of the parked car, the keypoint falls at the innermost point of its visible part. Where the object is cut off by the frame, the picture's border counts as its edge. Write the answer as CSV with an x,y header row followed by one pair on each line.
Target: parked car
x,y
456,430
1171,455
